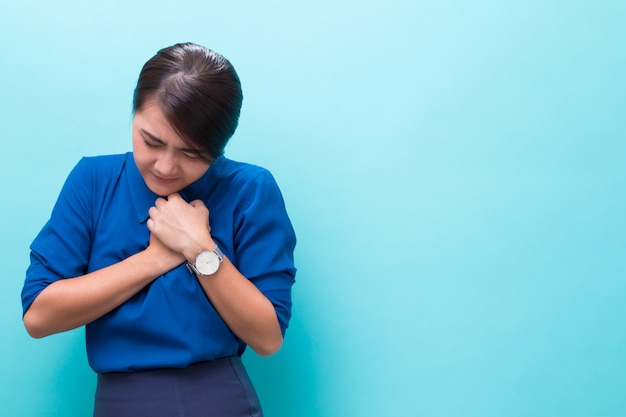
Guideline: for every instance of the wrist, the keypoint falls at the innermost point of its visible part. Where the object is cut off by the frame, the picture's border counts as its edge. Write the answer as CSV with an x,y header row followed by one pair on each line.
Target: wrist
x,y
207,262
192,252
158,263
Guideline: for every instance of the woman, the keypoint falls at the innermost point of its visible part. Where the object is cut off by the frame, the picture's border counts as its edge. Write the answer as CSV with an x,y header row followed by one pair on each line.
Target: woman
x,y
173,256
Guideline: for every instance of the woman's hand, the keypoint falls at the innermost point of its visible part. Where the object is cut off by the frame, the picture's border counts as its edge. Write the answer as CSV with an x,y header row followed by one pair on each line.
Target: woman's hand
x,y
180,226
167,258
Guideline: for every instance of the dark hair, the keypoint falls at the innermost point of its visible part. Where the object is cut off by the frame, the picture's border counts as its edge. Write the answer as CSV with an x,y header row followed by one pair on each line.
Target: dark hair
x,y
198,91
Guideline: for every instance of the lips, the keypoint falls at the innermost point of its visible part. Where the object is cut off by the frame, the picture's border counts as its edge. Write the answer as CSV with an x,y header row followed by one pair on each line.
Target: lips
x,y
164,180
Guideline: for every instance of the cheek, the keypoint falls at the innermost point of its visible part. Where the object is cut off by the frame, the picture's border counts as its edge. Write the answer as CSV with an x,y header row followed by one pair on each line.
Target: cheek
x,y
142,159
195,172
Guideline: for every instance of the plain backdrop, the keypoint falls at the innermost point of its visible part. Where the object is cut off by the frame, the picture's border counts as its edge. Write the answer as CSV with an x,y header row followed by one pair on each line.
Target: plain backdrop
x,y
454,170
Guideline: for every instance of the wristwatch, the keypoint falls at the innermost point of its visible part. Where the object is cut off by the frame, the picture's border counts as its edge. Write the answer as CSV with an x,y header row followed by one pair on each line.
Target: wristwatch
x,y
207,262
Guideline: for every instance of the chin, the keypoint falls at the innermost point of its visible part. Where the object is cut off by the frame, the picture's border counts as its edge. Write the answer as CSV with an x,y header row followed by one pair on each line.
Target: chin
x,y
161,190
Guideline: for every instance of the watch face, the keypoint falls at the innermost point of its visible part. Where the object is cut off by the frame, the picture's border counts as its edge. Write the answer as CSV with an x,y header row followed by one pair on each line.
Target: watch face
x,y
207,262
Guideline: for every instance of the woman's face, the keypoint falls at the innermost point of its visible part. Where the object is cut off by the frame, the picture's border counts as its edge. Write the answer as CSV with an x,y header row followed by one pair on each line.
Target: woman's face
x,y
165,162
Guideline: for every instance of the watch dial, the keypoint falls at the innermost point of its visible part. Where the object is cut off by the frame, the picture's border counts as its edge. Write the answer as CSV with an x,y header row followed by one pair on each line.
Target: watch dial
x,y
207,263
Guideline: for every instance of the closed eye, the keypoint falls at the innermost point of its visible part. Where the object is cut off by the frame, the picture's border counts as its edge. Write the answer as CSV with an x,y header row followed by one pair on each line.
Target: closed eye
x,y
151,145
191,154
153,142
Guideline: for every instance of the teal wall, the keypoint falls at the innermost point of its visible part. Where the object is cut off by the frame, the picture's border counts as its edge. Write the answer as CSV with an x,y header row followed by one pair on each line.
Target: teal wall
x,y
455,172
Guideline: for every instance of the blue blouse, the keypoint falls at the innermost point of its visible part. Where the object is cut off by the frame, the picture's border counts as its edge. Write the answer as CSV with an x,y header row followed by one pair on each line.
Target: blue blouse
x,y
100,219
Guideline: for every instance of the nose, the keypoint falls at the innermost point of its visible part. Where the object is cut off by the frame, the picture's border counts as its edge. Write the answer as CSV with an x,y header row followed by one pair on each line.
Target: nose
x,y
165,165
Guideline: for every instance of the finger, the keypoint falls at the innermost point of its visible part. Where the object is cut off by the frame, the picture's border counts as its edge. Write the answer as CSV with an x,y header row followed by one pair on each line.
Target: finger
x,y
150,224
159,202
197,203
174,196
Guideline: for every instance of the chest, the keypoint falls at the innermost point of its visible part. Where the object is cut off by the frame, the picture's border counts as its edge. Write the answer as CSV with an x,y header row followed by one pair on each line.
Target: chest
x,y
118,232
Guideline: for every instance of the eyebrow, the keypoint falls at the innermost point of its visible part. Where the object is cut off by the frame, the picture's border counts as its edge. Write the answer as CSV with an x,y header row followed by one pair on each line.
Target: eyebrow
x,y
161,142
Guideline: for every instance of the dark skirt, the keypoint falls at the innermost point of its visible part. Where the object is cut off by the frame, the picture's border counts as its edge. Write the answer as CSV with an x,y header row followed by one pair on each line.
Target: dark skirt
x,y
217,388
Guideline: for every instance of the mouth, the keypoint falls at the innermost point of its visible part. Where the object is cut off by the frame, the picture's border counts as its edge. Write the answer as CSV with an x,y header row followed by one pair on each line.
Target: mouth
x,y
164,180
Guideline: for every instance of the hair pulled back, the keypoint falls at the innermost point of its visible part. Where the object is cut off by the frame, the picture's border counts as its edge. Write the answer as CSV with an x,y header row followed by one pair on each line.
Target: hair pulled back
x,y
198,91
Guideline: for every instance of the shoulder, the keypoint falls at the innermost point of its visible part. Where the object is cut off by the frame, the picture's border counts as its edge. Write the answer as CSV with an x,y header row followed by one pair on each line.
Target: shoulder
x,y
249,181
103,163
94,175
241,170
253,187
99,168
245,175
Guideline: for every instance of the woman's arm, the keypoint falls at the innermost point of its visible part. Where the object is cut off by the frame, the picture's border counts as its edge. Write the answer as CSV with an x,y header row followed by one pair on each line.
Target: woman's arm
x,y
70,303
184,228
246,311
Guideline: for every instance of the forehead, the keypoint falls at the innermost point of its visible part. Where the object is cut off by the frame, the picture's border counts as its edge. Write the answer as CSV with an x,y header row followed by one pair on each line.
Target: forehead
x,y
152,120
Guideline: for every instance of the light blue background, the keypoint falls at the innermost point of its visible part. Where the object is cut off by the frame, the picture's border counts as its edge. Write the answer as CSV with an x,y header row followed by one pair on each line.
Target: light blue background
x,y
455,172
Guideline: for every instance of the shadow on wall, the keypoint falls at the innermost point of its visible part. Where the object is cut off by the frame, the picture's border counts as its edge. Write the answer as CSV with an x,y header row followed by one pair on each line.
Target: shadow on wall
x,y
287,381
